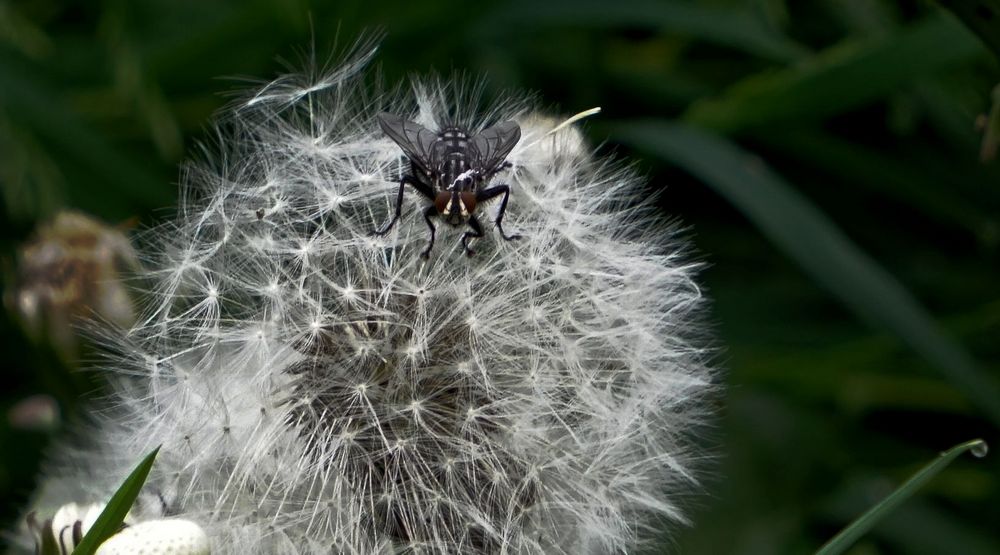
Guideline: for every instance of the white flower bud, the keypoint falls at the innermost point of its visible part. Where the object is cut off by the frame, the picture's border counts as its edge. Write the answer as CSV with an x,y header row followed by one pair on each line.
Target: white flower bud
x,y
67,527
158,537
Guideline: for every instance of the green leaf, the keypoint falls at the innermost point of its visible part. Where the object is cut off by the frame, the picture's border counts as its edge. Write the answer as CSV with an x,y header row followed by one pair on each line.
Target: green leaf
x,y
982,16
864,523
806,235
739,29
841,78
114,513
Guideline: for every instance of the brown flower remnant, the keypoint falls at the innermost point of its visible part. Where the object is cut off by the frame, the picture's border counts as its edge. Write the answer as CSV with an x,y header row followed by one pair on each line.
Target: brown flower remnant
x,y
71,269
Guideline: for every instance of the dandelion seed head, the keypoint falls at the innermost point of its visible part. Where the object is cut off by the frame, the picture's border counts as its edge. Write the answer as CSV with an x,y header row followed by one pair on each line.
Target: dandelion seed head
x,y
317,388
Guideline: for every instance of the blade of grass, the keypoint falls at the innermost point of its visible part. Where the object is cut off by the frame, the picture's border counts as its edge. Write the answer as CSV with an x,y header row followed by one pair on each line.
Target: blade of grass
x,y
841,78
806,235
846,537
932,194
34,102
114,513
863,17
982,16
991,129
173,54
922,525
739,29
672,91
21,33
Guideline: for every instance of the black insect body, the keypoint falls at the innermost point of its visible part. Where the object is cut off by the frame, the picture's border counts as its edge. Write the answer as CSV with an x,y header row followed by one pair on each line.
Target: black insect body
x,y
453,170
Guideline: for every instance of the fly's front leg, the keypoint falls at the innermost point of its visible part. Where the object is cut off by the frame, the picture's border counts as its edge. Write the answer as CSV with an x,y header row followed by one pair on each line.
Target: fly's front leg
x,y
418,186
491,193
477,232
428,213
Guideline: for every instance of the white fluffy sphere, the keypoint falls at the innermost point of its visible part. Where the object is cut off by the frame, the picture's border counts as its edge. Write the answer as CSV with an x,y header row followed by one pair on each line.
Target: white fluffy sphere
x,y
318,389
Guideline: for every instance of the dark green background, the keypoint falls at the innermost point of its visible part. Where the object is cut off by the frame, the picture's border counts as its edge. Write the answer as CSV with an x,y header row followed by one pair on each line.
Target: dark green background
x,y
823,153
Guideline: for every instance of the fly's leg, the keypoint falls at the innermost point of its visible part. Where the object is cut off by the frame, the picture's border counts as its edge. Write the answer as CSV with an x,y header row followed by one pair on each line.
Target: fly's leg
x,y
491,193
418,186
399,207
477,232
428,213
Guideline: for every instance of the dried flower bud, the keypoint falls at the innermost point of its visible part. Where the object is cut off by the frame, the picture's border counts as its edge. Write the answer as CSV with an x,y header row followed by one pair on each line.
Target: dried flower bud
x,y
71,270
38,413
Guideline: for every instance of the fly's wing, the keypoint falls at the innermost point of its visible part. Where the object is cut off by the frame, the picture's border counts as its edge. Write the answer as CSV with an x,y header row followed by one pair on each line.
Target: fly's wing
x,y
492,145
415,139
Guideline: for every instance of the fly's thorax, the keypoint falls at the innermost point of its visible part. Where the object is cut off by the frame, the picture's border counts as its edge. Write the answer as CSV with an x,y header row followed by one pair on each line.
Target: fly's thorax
x,y
450,147
459,178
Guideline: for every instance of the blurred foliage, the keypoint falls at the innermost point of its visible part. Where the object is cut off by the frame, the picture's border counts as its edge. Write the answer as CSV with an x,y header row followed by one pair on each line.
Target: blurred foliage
x,y
824,154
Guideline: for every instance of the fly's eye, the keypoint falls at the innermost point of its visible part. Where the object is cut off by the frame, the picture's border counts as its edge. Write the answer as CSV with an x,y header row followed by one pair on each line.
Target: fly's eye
x,y
441,201
469,201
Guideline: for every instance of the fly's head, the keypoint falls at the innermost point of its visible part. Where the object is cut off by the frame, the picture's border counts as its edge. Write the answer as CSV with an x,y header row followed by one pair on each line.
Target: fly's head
x,y
455,206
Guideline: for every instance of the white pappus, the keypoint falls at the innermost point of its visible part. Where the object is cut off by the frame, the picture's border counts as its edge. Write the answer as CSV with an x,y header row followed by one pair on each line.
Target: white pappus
x,y
319,389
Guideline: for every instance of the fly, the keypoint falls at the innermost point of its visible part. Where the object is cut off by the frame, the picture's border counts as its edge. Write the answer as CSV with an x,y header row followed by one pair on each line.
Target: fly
x,y
452,169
